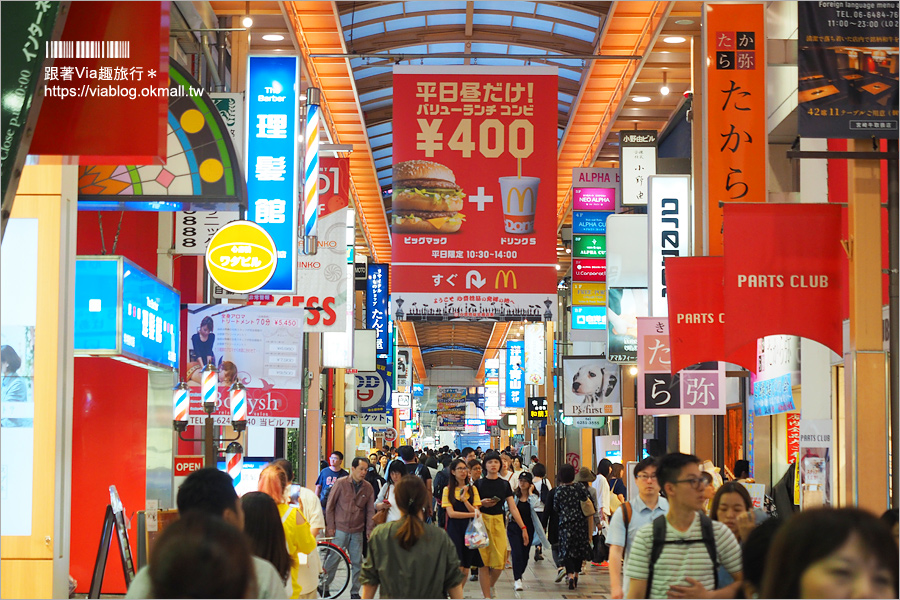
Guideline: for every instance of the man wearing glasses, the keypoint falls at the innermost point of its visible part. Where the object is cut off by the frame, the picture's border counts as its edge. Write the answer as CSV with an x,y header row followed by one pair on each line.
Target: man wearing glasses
x,y
674,556
627,520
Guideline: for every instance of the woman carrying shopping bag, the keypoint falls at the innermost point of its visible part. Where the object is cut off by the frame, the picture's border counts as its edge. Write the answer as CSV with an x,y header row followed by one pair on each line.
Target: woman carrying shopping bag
x,y
461,502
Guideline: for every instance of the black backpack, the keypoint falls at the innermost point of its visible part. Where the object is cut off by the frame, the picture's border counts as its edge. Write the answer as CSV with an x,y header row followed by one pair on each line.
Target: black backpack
x,y
659,540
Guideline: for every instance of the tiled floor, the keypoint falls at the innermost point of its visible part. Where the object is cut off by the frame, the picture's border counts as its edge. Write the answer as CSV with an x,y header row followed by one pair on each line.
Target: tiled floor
x,y
540,583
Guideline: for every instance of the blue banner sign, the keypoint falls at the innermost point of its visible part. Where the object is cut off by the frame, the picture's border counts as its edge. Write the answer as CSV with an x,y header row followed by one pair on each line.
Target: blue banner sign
x,y
773,396
376,306
515,374
588,317
271,160
418,390
589,222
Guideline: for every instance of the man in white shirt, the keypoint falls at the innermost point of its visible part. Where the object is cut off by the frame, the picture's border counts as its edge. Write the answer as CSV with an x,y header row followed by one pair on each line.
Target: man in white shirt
x,y
641,510
684,566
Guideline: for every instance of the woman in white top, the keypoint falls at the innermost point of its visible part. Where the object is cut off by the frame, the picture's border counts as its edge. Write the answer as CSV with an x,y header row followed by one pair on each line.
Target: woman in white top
x,y
542,489
396,471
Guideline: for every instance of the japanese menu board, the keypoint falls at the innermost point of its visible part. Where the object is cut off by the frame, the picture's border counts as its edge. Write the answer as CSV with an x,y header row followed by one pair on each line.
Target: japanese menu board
x,y
847,65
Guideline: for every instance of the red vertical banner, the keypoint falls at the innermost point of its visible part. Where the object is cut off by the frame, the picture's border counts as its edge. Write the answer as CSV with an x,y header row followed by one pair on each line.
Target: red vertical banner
x,y
735,110
697,313
783,273
473,215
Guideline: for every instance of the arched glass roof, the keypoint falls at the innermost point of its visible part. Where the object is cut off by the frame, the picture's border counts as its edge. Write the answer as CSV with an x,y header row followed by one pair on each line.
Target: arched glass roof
x,y
507,33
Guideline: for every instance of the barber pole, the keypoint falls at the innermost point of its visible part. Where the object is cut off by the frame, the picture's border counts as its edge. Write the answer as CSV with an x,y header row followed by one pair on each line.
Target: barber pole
x,y
234,462
180,402
238,402
311,178
209,386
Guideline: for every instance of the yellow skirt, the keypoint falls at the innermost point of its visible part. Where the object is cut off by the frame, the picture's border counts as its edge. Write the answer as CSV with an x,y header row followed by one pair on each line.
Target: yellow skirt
x,y
494,555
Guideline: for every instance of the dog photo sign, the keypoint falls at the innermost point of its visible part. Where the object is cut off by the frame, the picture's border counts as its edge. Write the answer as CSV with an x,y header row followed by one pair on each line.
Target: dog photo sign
x,y
591,387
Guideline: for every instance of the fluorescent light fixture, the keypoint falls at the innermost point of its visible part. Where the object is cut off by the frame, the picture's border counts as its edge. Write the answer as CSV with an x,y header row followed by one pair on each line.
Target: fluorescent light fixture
x,y
674,39
273,37
641,99
684,22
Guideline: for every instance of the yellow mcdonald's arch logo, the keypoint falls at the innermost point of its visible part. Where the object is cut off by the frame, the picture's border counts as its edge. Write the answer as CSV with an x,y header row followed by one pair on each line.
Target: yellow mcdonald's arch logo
x,y
522,197
507,275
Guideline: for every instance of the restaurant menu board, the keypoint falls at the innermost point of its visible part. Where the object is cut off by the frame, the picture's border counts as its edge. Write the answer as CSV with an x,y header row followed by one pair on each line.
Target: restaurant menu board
x,y
847,63
473,211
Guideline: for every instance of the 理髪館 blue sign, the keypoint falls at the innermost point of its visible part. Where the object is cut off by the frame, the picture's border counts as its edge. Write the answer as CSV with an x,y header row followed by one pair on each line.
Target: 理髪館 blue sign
x,y
271,160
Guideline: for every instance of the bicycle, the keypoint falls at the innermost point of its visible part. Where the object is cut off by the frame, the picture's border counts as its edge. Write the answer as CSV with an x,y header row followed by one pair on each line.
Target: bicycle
x,y
334,579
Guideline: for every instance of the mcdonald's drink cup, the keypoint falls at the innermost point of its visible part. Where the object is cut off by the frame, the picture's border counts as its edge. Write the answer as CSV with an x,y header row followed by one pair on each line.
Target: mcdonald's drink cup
x,y
519,196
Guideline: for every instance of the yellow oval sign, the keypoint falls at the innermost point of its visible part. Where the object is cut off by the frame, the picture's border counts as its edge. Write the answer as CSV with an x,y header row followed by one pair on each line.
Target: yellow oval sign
x,y
241,257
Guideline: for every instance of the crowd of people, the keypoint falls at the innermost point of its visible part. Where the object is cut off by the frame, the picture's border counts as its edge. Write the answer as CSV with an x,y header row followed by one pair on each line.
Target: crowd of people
x,y
420,525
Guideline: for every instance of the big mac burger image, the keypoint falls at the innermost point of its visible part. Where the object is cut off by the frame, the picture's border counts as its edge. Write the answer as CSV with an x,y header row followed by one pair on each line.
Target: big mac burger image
x,y
426,199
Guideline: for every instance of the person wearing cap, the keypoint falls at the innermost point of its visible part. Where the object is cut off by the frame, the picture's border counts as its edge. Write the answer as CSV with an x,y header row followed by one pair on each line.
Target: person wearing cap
x,y
494,492
526,500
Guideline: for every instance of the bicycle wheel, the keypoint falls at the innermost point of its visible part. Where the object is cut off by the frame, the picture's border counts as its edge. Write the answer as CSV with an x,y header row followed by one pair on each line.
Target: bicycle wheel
x,y
335,576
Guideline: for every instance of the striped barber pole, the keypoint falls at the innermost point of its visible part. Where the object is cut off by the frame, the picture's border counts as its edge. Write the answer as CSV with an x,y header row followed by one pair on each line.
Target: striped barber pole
x,y
234,462
209,385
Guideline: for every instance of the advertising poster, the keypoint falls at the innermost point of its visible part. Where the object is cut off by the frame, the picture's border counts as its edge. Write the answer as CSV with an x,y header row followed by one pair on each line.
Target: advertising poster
x,y
373,392
591,387
260,346
18,315
785,261
699,390
816,452
474,188
734,90
515,374
323,279
624,306
535,350
537,408
847,68
271,157
451,409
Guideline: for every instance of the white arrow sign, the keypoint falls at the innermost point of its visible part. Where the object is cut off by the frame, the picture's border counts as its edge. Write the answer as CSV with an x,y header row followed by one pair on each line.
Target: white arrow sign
x,y
474,278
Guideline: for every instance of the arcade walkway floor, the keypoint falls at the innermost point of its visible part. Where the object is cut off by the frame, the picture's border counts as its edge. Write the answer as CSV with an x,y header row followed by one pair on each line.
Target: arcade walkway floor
x,y
539,583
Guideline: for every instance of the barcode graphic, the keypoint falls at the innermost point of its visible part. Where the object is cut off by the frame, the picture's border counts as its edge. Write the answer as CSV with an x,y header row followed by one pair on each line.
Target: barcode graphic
x,y
87,49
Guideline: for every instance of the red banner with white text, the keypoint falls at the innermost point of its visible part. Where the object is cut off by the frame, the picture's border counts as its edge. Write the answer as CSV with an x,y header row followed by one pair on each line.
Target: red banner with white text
x,y
697,314
783,272
474,182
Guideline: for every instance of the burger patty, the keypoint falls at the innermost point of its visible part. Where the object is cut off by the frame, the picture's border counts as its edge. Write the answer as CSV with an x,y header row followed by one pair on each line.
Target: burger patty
x,y
426,183
423,214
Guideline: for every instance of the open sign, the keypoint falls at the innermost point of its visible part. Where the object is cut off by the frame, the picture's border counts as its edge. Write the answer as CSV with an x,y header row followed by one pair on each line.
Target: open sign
x,y
185,465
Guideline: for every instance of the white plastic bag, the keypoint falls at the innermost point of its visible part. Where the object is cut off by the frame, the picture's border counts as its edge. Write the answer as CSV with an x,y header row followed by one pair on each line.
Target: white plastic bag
x,y
476,533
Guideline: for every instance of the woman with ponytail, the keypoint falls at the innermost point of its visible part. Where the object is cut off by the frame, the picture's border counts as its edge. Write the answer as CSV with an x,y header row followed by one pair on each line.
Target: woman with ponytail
x,y
400,552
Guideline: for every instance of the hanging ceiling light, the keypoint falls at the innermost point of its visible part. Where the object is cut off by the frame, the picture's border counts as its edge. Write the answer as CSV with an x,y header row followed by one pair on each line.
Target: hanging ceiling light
x,y
247,21
664,90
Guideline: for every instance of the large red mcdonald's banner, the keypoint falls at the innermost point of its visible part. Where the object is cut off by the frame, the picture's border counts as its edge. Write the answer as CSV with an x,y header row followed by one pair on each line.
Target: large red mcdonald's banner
x,y
783,272
473,213
697,314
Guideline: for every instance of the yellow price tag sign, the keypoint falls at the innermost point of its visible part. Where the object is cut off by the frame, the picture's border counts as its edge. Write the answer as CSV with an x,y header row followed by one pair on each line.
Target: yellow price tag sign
x,y
241,257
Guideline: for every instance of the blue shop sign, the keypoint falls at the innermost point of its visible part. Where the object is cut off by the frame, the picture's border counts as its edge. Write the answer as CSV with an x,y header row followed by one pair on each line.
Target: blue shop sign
x,y
589,222
515,374
271,160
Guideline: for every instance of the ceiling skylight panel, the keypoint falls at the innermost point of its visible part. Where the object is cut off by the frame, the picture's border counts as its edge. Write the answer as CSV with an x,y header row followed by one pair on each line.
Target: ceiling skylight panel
x,y
536,24
567,14
407,23
420,6
363,31
574,32
505,6
491,19
371,14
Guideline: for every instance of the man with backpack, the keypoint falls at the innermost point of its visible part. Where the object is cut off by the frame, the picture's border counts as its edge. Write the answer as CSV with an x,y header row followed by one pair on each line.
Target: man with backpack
x,y
678,555
629,518
408,456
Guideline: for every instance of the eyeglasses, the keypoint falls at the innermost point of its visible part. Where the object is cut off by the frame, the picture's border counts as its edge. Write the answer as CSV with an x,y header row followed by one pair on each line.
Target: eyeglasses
x,y
461,469
646,477
698,483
